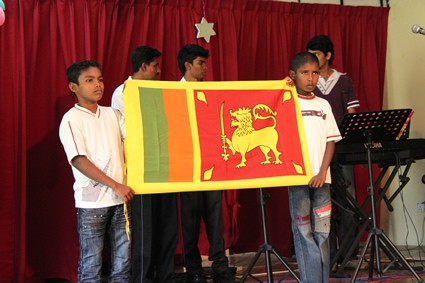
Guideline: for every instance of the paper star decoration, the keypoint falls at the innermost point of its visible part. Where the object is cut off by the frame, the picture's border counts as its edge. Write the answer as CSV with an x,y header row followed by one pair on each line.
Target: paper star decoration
x,y
205,30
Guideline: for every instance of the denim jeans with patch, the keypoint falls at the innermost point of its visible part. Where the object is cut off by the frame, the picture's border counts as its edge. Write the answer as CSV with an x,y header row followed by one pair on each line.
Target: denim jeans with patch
x,y
310,215
94,224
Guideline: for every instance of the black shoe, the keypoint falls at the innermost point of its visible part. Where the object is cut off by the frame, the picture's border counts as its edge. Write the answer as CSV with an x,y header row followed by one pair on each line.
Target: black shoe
x,y
195,278
226,275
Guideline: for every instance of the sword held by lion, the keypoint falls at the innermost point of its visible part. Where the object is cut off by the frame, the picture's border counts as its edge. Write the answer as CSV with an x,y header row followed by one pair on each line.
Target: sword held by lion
x,y
245,137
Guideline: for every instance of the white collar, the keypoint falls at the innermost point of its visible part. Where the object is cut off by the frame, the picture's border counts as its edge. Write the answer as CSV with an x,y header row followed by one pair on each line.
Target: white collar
x,y
88,111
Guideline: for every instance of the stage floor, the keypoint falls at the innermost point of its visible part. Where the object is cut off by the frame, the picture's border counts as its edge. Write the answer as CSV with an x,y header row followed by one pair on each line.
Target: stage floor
x,y
414,255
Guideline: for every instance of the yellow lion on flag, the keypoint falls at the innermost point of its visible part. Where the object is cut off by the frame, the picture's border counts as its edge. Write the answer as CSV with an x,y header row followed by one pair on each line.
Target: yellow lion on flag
x,y
245,138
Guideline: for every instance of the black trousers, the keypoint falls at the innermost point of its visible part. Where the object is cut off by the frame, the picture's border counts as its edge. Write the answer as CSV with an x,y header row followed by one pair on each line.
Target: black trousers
x,y
154,237
207,205
343,183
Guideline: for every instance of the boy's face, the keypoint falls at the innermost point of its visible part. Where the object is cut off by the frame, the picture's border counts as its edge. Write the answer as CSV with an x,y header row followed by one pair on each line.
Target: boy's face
x,y
305,78
198,69
323,58
89,89
151,71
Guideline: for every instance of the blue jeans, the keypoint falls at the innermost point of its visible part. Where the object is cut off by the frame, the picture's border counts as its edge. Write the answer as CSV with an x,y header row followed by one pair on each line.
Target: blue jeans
x,y
93,226
310,216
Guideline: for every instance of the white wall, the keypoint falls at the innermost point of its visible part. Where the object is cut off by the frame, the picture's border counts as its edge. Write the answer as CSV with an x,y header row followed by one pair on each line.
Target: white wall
x,y
405,88
376,3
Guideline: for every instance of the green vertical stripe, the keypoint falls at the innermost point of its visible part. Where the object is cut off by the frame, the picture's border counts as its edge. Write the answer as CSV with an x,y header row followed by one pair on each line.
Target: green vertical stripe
x,y
155,135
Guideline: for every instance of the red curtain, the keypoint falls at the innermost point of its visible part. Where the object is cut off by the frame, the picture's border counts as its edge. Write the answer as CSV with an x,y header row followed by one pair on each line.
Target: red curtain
x,y
255,41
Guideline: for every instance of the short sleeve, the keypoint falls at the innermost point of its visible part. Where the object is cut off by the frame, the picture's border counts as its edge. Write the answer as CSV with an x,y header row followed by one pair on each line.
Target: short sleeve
x,y
71,136
117,101
121,123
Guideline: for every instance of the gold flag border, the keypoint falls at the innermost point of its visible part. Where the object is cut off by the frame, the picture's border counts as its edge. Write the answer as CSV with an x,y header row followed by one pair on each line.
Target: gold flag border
x,y
134,148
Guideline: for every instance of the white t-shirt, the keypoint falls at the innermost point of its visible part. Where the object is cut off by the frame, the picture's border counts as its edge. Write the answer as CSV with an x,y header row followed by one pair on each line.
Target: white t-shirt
x,y
98,136
320,128
117,100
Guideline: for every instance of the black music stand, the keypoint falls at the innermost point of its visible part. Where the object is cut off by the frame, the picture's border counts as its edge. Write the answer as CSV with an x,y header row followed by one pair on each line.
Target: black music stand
x,y
370,128
385,125
267,248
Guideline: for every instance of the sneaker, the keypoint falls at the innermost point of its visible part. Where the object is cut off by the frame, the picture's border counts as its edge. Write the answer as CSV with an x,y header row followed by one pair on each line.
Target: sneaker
x,y
226,275
195,278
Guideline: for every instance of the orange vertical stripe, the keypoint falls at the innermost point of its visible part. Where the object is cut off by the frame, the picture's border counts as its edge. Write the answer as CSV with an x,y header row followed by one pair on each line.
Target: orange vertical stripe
x,y
180,145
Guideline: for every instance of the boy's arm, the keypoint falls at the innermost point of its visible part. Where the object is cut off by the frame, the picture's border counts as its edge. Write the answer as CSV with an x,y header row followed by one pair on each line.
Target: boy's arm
x,y
318,180
85,166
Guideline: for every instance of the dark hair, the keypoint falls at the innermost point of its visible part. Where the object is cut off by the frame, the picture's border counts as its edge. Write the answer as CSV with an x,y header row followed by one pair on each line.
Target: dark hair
x,y
143,54
73,72
188,53
322,43
302,58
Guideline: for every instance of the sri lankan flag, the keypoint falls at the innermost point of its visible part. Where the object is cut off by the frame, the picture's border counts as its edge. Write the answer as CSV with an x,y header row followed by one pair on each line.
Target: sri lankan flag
x,y
194,136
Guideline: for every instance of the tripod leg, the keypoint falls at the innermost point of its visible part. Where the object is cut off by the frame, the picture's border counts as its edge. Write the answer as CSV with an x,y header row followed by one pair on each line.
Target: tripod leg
x,y
252,264
390,255
269,266
286,265
400,257
266,247
376,233
372,259
359,264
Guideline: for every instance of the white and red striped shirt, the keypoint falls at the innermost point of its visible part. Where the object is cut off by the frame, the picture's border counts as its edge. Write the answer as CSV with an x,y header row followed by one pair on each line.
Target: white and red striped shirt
x,y
320,128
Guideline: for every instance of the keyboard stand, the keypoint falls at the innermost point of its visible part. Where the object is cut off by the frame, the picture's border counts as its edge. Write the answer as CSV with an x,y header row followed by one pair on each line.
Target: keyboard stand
x,y
362,218
372,128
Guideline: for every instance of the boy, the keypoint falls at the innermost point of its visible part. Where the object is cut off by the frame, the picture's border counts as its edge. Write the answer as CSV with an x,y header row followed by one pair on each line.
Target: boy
x,y
192,62
92,138
310,205
154,216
